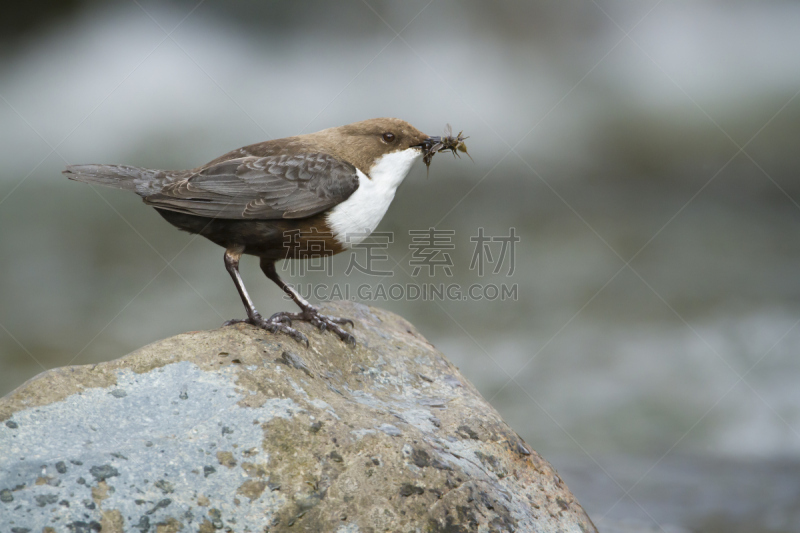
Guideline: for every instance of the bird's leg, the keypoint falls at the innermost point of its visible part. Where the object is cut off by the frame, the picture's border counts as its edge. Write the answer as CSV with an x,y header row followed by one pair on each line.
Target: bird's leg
x,y
309,313
232,256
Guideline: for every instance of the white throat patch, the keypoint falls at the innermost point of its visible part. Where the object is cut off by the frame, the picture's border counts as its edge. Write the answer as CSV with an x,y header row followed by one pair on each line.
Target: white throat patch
x,y
354,219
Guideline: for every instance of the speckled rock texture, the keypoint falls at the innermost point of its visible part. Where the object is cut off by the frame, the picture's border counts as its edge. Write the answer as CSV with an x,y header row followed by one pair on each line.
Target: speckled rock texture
x,y
239,430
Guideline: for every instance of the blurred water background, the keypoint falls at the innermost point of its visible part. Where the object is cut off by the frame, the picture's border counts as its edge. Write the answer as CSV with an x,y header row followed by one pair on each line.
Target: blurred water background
x,y
646,154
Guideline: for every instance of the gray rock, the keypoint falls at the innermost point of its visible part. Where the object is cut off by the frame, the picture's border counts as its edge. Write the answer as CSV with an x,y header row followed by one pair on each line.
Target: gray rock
x,y
240,430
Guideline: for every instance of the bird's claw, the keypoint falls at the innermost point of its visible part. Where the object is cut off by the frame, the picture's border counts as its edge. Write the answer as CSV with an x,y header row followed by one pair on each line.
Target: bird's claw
x,y
332,323
274,324
281,322
282,316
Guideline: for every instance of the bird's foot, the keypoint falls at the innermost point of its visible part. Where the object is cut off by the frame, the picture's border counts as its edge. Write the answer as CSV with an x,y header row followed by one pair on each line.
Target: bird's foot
x,y
322,322
274,324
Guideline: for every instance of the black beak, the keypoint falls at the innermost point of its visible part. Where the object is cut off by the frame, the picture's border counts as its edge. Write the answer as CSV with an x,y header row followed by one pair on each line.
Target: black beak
x,y
429,143
430,146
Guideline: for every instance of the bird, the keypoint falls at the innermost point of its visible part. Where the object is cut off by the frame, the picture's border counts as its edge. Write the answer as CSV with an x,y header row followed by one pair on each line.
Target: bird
x,y
272,198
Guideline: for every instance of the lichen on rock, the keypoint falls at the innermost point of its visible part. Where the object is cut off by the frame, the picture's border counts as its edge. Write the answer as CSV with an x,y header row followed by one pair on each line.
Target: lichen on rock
x,y
241,430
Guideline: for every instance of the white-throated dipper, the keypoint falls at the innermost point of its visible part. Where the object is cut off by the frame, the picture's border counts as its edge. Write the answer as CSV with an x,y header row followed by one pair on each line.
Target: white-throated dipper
x,y
272,199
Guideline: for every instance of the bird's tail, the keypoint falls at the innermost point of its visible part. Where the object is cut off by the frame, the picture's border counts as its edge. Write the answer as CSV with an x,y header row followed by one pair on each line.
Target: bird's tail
x,y
142,181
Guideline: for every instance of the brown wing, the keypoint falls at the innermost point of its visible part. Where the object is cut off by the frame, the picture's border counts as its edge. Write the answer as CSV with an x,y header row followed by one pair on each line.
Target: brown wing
x,y
272,187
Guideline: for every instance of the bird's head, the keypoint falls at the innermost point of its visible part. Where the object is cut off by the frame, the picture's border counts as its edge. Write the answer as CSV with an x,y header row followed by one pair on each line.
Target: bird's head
x,y
374,142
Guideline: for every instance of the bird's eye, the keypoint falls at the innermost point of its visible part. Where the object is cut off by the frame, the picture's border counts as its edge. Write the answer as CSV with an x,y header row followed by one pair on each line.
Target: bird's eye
x,y
388,137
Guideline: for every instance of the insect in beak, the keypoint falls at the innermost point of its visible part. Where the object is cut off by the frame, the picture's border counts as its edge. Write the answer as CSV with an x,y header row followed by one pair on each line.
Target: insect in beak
x,y
433,145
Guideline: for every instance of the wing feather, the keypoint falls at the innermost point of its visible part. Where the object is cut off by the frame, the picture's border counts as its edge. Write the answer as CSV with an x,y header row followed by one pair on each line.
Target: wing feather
x,y
272,187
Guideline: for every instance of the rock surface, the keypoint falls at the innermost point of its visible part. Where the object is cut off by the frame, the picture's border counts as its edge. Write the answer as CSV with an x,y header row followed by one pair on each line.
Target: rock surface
x,y
240,430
